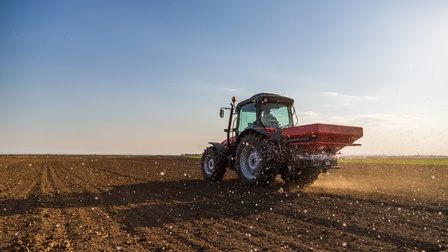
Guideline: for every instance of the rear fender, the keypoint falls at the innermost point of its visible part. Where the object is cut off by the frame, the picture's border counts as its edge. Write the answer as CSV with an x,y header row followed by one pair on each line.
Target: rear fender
x,y
277,135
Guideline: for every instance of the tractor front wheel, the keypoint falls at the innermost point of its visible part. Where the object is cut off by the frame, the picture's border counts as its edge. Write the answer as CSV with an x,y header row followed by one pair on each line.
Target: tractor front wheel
x,y
213,164
255,161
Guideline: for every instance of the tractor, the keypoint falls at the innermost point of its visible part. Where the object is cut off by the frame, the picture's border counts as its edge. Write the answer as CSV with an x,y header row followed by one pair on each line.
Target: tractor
x,y
263,141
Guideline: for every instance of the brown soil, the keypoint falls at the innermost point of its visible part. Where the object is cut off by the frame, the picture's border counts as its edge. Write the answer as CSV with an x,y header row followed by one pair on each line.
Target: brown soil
x,y
141,203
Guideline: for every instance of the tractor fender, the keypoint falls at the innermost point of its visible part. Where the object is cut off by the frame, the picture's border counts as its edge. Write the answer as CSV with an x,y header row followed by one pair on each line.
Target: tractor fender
x,y
219,147
222,152
260,131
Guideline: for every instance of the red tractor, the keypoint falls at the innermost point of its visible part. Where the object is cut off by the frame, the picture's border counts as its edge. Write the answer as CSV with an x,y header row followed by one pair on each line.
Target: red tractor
x,y
263,141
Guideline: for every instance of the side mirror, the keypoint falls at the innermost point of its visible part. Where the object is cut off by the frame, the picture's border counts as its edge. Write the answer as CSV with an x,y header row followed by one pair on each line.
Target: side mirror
x,y
221,113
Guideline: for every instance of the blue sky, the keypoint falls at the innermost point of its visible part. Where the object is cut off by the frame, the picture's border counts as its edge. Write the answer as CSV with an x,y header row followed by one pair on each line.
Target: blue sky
x,y
148,77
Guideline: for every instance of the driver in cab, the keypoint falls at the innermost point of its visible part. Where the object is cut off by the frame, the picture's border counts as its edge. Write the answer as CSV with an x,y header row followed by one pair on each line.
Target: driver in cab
x,y
268,120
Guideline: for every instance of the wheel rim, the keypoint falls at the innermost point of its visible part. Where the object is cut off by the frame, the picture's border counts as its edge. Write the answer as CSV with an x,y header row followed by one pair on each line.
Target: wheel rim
x,y
209,164
250,162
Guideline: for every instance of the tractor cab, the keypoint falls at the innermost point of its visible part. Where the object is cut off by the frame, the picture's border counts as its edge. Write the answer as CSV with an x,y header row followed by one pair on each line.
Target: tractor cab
x,y
265,111
261,112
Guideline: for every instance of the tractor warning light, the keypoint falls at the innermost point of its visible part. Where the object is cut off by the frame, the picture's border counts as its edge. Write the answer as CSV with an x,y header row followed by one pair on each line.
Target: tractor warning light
x,y
233,98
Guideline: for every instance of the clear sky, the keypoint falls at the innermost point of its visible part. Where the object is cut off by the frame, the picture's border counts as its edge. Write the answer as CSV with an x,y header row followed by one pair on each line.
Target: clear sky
x,y
149,77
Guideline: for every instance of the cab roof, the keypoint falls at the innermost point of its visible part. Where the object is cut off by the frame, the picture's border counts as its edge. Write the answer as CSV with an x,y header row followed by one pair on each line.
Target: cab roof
x,y
266,97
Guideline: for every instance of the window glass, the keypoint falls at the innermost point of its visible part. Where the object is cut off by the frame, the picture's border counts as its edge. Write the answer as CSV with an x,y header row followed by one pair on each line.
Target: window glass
x,y
247,117
275,115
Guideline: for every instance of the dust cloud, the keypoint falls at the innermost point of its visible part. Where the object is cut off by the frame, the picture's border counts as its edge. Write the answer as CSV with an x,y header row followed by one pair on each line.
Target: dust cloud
x,y
416,181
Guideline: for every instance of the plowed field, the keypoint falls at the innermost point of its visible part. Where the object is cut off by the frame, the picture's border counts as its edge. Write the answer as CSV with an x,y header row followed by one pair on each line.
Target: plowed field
x,y
159,203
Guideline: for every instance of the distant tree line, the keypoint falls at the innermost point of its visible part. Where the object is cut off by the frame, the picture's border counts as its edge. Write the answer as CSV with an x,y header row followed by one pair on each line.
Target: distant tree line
x,y
190,154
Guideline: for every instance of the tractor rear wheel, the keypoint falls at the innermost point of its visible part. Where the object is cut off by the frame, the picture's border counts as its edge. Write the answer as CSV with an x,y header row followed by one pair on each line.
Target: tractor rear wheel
x,y
213,164
255,161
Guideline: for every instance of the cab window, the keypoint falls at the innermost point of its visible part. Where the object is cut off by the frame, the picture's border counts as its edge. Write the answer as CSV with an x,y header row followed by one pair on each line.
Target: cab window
x,y
276,115
247,117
